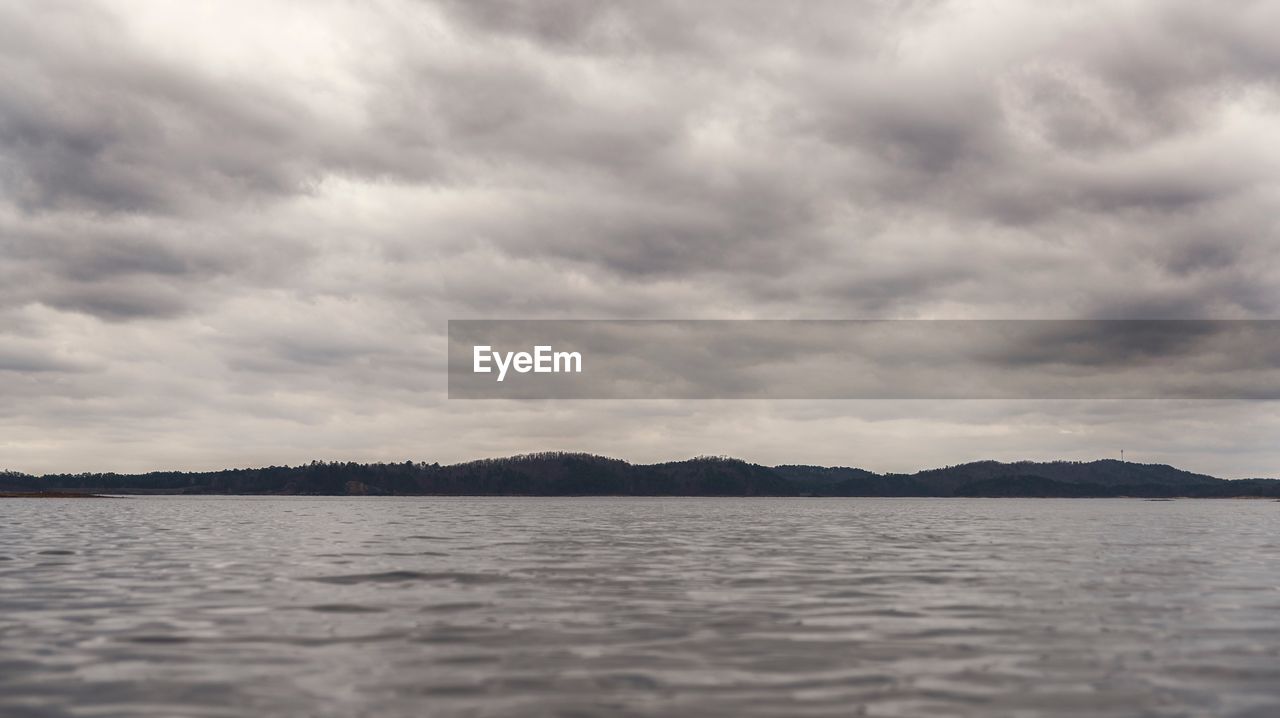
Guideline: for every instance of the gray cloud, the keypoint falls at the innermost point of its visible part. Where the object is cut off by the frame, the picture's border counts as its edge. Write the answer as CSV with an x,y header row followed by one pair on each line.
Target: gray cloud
x,y
234,234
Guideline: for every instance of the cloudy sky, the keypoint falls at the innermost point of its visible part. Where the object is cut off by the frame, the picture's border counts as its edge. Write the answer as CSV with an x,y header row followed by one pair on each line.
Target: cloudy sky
x,y
232,233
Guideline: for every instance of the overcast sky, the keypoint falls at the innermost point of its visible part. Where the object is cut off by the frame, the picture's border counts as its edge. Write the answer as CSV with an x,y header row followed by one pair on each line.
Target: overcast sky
x,y
231,233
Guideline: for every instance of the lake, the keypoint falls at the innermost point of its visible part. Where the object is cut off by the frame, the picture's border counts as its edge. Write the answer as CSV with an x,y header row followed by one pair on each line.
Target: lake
x,y
233,606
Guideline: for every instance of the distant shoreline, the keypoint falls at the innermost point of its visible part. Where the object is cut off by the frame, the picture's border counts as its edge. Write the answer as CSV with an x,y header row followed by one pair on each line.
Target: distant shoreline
x,y
578,474
126,494
49,495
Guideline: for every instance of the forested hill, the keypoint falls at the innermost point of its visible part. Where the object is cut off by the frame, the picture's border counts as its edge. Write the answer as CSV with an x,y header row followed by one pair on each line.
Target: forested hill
x,y
566,474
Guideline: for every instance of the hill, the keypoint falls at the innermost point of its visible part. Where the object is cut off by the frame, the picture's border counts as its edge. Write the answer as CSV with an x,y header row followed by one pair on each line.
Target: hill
x,y
575,474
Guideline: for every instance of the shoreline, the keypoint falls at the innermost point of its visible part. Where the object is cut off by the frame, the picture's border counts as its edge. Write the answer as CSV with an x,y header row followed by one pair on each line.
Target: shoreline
x,y
49,495
128,494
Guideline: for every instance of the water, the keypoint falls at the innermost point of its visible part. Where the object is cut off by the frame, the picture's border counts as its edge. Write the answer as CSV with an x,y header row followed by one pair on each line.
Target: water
x,y
219,606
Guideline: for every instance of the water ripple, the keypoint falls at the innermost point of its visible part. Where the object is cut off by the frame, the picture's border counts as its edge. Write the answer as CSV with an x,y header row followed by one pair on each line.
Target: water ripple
x,y
220,606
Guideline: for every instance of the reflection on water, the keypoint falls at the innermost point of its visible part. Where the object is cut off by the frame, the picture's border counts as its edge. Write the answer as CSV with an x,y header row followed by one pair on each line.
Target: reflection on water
x,y
216,606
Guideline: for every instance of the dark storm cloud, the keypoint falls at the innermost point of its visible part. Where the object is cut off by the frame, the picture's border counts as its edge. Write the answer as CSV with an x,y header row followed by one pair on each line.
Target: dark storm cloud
x,y
1100,123
90,121
132,268
204,207
713,29
31,360
85,126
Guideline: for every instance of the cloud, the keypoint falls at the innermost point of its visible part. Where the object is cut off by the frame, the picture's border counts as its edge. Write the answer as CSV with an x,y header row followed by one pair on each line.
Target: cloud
x,y
211,214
